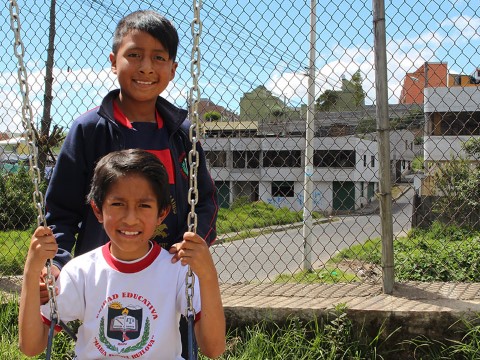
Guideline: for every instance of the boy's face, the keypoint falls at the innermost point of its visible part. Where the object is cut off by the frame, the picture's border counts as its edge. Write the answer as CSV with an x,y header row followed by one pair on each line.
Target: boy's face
x,y
130,215
142,66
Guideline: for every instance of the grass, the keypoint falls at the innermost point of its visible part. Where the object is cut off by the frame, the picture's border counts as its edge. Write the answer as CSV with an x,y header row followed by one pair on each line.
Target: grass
x,y
441,253
13,250
243,216
334,337
329,274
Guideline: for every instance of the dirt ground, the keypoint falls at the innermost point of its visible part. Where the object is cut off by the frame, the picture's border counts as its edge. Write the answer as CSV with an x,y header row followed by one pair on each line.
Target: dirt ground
x,y
10,285
367,272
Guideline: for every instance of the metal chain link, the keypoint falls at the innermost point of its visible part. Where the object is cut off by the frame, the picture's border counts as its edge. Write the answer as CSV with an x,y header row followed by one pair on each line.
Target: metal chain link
x,y
27,121
193,158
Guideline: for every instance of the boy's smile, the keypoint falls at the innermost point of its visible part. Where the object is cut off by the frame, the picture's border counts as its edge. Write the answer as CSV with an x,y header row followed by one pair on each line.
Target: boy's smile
x,y
144,70
130,215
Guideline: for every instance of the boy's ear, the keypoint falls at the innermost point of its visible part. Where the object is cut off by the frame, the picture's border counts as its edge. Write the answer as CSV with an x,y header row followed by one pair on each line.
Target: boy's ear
x,y
97,212
163,215
113,60
173,70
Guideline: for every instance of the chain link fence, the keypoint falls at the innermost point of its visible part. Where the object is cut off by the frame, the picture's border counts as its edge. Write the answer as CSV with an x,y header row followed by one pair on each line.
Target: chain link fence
x,y
254,108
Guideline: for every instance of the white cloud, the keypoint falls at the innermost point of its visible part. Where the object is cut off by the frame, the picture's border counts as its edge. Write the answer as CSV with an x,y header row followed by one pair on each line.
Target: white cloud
x,y
403,55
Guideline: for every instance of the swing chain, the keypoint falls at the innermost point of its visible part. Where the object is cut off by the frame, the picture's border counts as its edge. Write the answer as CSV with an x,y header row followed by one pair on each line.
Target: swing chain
x,y
27,121
193,156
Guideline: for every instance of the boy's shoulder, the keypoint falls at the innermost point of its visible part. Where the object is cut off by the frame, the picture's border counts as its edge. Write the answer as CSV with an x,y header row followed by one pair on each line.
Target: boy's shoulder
x,y
82,261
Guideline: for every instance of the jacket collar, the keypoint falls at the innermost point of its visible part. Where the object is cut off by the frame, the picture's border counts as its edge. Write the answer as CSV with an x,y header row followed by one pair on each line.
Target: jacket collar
x,y
173,116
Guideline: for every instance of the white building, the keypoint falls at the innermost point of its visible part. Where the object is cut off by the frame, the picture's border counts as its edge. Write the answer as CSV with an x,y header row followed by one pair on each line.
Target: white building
x,y
452,116
271,169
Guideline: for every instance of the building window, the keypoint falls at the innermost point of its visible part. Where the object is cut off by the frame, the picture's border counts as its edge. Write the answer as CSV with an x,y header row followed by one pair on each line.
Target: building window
x,y
334,158
283,189
283,158
246,159
216,158
372,161
365,161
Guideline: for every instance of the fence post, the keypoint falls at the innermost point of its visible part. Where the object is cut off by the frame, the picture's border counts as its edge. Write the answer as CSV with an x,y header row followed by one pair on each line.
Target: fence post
x,y
383,130
308,184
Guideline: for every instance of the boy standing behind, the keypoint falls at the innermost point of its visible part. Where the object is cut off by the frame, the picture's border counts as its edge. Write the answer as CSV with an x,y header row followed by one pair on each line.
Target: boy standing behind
x,y
135,116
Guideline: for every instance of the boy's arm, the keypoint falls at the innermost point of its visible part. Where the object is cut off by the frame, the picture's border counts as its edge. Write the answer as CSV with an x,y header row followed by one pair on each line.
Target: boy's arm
x,y
210,328
33,333
65,196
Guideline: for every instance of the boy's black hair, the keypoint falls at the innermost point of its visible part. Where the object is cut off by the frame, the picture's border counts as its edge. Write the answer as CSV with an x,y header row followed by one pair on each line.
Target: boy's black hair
x,y
152,23
118,164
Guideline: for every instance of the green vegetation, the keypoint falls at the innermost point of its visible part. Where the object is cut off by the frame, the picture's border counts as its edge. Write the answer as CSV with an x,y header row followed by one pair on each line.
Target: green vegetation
x,y
13,250
244,215
17,210
442,253
417,164
212,116
329,274
335,337
458,184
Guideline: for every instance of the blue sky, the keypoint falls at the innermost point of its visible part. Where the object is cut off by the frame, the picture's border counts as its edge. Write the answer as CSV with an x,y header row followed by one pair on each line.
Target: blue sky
x,y
244,44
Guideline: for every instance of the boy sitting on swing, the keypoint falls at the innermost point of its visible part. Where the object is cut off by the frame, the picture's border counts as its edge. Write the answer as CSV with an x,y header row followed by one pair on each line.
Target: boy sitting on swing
x,y
129,293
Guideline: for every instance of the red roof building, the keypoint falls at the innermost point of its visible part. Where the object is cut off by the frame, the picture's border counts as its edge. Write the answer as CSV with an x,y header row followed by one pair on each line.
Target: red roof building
x,y
428,75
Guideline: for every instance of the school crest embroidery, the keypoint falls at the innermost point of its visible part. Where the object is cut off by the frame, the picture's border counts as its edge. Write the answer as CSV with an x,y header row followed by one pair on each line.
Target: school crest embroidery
x,y
124,329
124,323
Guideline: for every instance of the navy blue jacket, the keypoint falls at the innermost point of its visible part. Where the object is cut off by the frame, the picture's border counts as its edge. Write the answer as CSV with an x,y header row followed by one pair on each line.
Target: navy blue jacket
x,y
95,134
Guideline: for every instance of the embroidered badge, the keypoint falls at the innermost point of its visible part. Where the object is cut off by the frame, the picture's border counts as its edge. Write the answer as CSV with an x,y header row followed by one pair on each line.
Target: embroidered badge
x,y
183,164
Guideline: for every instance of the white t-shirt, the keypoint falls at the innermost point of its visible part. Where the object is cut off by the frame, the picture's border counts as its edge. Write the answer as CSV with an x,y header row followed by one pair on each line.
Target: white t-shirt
x,y
128,310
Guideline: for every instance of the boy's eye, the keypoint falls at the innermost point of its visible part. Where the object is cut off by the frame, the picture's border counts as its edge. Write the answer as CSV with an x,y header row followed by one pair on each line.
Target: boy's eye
x,y
133,55
160,58
147,206
116,204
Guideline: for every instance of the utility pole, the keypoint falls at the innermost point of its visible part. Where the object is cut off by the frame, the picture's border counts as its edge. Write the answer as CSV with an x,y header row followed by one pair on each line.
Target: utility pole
x,y
308,184
383,130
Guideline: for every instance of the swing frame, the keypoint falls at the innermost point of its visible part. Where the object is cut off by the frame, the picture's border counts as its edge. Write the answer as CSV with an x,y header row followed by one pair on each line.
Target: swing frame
x,y
38,199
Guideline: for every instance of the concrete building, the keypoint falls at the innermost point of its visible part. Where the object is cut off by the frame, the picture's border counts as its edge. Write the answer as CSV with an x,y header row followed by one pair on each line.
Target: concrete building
x,y
272,170
452,116
428,75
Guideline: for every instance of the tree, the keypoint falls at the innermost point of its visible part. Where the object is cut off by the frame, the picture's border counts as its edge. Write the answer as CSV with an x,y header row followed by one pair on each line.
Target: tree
x,y
358,93
366,126
277,111
458,184
327,100
212,116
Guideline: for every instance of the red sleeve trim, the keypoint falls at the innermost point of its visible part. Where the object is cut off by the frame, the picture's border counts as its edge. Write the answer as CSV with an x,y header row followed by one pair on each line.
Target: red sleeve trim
x,y
48,322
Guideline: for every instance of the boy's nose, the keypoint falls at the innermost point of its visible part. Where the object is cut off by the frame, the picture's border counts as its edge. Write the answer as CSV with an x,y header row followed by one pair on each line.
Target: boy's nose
x,y
130,216
146,66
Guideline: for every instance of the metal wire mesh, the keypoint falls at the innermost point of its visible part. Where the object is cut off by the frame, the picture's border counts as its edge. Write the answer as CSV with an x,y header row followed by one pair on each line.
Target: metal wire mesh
x,y
253,107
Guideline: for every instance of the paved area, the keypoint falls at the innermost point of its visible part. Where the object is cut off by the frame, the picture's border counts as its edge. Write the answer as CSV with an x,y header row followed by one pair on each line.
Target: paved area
x,y
410,296
415,308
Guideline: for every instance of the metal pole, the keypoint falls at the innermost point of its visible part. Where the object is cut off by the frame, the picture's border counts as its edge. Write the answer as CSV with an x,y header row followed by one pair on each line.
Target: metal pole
x,y
383,130
308,185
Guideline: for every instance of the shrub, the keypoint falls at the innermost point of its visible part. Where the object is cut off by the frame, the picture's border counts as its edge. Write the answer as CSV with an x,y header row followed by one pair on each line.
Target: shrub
x,y
17,209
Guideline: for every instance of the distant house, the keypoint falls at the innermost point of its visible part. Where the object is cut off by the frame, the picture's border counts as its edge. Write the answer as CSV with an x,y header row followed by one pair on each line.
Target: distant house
x,y
205,105
13,151
452,117
430,74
